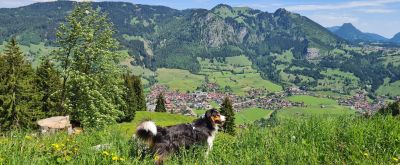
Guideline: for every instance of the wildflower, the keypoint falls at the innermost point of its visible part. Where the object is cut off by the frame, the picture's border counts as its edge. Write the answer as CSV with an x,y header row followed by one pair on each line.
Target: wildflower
x,y
105,153
115,158
395,159
293,138
56,146
27,137
366,154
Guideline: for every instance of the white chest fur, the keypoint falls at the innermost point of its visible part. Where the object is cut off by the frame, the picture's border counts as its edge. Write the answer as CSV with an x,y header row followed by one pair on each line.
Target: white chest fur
x,y
210,140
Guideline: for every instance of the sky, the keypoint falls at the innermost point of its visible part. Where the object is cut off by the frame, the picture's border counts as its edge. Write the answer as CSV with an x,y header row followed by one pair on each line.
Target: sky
x,y
375,16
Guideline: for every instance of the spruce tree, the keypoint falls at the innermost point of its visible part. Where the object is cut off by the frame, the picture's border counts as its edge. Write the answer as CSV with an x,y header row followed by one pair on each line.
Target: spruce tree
x,y
141,100
17,95
48,83
130,98
92,88
227,111
160,104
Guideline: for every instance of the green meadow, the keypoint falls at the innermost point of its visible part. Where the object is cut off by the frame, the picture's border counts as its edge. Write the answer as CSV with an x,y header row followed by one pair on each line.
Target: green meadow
x,y
247,115
237,73
314,106
315,139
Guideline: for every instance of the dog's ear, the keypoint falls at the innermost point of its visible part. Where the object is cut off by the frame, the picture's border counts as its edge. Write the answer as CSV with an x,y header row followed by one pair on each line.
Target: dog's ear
x,y
208,114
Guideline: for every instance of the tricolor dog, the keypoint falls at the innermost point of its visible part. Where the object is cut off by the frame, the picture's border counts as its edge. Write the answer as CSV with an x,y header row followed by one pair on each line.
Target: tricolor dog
x,y
165,140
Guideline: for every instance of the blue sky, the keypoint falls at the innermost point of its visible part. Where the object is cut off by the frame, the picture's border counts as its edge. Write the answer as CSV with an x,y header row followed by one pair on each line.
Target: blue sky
x,y
376,16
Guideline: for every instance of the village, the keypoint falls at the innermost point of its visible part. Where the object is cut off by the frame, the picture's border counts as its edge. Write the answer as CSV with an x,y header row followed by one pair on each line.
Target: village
x,y
186,103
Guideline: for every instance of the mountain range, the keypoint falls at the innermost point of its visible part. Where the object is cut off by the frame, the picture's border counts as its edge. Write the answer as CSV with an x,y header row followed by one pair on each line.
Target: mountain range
x,y
350,33
284,47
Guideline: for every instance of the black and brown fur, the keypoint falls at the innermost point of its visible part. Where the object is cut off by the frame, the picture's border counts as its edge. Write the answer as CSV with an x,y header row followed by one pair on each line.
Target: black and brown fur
x,y
166,140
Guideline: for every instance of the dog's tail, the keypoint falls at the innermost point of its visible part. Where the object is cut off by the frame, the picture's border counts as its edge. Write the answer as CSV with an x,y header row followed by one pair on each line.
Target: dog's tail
x,y
146,131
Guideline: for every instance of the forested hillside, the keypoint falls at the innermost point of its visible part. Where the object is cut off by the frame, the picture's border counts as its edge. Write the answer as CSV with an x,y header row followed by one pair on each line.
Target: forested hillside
x,y
284,47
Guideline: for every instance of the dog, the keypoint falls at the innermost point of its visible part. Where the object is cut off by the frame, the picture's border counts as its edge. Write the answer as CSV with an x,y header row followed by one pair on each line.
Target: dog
x,y
164,141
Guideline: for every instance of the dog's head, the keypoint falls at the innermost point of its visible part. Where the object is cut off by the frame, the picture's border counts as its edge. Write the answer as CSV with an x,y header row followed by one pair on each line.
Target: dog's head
x,y
214,117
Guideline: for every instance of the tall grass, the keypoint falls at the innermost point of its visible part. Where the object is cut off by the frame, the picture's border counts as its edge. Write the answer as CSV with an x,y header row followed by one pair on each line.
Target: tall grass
x,y
304,140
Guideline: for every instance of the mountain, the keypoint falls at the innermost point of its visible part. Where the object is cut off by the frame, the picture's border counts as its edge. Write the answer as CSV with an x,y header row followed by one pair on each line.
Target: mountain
x,y
162,36
348,32
396,38
282,46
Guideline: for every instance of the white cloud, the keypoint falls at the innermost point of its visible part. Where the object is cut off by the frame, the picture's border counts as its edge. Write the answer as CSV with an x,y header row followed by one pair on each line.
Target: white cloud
x,y
337,6
377,11
333,19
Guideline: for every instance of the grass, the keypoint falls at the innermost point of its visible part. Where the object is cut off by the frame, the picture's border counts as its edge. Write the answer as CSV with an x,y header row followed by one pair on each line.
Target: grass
x,y
237,73
335,80
389,89
314,106
162,119
249,115
178,79
246,116
301,140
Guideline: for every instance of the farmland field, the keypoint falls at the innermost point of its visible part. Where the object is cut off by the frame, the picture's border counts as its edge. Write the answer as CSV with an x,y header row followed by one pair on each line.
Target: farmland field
x,y
177,79
249,115
314,106
237,73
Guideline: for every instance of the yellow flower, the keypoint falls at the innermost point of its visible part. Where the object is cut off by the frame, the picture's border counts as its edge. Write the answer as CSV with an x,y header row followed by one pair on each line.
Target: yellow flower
x,y
366,154
105,153
56,146
395,159
115,158
121,159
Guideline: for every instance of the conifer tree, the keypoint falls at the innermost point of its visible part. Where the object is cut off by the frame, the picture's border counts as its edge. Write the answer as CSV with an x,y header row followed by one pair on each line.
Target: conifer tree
x,y
48,83
227,111
160,104
92,88
130,98
141,100
17,95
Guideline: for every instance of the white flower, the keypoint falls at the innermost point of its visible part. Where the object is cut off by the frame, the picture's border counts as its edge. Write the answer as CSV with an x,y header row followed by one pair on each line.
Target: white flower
x,y
293,137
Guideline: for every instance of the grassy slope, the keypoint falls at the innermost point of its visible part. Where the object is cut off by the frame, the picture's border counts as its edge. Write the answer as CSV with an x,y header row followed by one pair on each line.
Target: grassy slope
x,y
247,115
391,89
178,79
231,74
314,107
162,119
301,140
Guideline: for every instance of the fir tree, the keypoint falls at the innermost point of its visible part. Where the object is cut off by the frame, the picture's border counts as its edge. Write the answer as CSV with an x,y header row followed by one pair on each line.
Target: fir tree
x,y
138,88
160,104
17,95
130,98
92,88
391,109
227,111
48,83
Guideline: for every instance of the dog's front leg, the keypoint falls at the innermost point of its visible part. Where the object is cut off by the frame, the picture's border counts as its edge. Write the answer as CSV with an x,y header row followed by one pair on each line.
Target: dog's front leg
x,y
210,141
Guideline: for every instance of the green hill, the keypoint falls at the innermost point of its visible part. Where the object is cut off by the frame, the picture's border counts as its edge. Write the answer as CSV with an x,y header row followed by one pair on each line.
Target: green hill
x,y
299,140
161,37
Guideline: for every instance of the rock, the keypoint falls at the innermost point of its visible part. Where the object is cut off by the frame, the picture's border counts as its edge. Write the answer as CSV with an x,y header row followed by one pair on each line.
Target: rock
x,y
56,123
